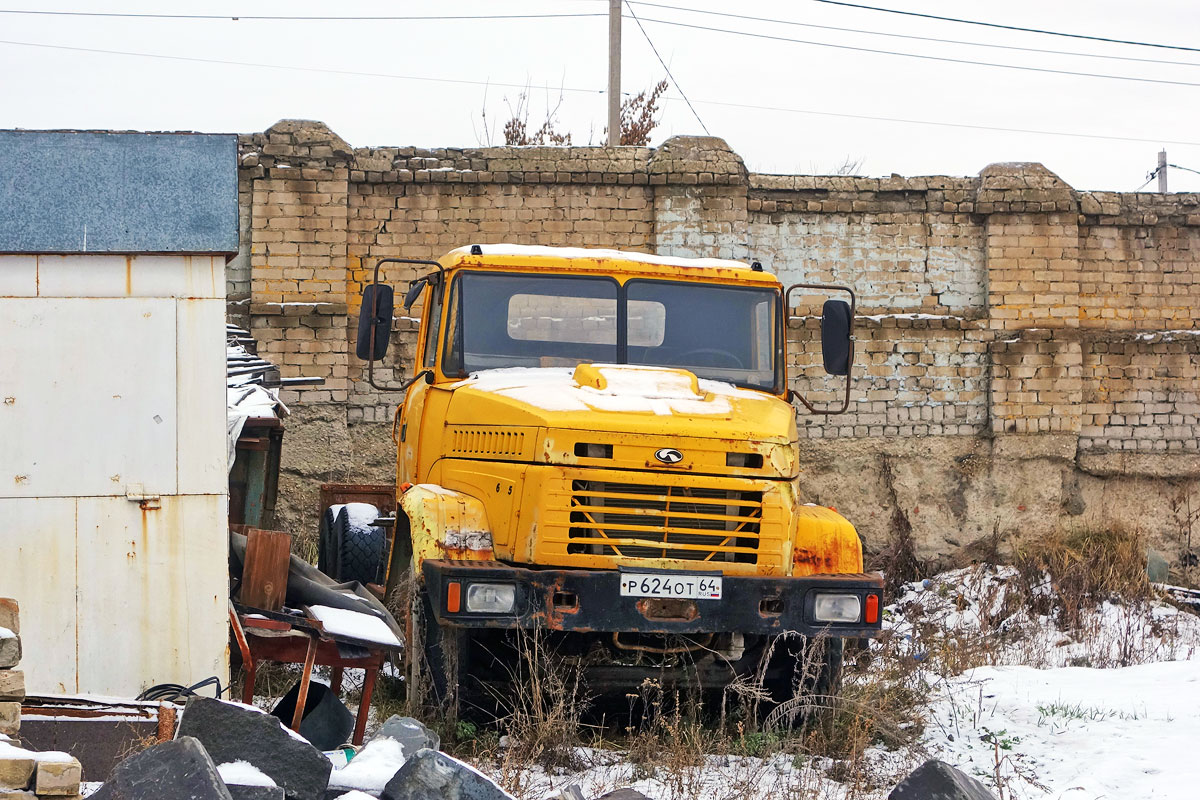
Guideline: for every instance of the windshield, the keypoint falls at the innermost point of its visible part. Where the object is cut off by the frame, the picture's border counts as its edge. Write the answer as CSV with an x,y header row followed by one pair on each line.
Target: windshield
x,y
725,333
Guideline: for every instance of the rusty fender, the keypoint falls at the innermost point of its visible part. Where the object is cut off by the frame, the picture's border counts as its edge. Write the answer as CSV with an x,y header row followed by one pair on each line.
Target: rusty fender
x,y
445,524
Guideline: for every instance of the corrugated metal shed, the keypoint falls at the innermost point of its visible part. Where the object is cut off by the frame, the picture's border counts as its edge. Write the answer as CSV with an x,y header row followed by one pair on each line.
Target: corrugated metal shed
x,y
88,192
113,465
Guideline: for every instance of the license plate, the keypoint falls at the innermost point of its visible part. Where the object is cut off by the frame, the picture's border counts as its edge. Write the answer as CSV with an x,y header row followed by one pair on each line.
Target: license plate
x,y
690,587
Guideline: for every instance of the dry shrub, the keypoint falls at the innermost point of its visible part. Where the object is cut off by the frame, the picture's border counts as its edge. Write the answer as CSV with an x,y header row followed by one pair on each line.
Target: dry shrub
x,y
1084,568
542,708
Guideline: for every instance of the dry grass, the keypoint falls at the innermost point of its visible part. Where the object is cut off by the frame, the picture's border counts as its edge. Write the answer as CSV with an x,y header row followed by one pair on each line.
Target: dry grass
x,y
1085,567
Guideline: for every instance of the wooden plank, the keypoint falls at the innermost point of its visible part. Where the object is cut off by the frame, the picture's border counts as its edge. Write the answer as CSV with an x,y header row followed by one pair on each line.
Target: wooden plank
x,y
264,575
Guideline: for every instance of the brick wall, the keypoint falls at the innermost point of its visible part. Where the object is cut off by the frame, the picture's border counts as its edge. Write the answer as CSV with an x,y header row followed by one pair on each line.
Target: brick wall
x,y
1006,312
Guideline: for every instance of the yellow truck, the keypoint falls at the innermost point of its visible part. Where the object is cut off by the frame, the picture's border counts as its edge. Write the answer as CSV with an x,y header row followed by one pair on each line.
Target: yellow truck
x,y
600,447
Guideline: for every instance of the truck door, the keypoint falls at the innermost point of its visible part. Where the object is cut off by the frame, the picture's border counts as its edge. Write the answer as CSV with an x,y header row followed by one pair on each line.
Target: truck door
x,y
412,413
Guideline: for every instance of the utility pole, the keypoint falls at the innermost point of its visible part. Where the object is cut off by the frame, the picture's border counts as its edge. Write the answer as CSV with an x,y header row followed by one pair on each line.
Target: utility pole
x,y
614,73
1162,171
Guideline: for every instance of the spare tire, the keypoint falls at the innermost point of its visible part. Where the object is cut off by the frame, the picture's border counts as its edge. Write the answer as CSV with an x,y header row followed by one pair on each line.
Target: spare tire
x,y
351,546
326,547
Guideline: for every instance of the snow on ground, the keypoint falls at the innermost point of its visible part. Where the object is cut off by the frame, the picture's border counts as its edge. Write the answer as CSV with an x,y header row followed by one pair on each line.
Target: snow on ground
x,y
984,607
1072,732
1109,710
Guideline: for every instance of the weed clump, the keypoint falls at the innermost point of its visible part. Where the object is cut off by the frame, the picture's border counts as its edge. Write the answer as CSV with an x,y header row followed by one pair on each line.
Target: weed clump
x,y
1083,568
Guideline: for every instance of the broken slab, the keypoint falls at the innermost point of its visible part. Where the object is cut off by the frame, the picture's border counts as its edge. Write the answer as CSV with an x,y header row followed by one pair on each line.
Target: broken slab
x,y
10,614
430,774
58,775
623,794
937,780
177,770
234,732
10,717
10,648
16,767
412,734
12,684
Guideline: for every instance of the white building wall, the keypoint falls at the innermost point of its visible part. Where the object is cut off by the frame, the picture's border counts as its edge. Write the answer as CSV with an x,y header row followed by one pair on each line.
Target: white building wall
x,y
111,386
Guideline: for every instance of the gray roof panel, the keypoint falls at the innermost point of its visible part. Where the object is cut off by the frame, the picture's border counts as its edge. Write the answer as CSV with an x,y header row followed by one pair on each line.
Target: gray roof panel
x,y
96,192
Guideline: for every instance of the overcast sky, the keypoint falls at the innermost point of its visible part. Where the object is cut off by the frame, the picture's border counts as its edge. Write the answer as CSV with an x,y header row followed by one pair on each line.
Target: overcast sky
x,y
50,87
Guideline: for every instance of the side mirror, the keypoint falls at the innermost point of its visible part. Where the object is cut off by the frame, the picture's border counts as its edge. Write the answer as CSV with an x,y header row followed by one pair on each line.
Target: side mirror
x,y
414,292
835,337
375,321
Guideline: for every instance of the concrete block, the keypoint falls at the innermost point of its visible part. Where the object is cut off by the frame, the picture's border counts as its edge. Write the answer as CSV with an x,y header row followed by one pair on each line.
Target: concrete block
x,y
12,684
10,718
58,778
10,614
16,768
10,648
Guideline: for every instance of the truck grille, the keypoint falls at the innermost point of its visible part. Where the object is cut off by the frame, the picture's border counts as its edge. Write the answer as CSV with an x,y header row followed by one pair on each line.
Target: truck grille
x,y
646,521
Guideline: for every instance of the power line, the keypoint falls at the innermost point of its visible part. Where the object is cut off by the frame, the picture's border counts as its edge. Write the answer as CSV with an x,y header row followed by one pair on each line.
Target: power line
x,y
580,90
1008,27
918,38
1185,169
665,67
939,124
923,57
323,70
287,17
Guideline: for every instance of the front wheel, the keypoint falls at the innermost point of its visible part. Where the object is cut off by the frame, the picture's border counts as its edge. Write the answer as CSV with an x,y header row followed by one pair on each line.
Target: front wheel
x,y
803,673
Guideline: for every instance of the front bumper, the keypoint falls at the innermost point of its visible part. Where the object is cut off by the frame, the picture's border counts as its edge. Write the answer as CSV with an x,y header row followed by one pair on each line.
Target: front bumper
x,y
590,601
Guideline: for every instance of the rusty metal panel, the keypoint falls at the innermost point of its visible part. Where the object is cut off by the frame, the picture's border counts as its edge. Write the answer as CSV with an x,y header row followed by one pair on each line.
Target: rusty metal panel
x,y
129,276
93,192
152,594
87,396
203,460
38,554
380,495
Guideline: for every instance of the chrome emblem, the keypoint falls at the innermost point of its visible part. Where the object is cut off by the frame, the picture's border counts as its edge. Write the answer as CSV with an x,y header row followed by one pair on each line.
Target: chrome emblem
x,y
668,455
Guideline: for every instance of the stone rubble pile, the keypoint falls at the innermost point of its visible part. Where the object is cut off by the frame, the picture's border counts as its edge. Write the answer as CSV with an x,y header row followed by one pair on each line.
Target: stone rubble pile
x,y
24,774
228,751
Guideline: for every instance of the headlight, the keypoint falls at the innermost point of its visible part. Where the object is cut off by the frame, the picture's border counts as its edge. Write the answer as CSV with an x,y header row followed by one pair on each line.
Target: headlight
x,y
491,598
836,608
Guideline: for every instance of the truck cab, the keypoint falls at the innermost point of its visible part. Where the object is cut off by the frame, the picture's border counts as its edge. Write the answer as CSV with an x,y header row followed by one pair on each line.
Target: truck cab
x,y
599,446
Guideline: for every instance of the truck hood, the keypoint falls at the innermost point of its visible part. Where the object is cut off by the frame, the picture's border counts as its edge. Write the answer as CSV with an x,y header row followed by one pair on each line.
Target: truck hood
x,y
621,399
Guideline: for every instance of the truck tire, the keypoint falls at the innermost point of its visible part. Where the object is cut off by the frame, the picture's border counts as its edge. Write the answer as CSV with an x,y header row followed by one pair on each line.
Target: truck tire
x,y
446,655
326,548
350,549
816,665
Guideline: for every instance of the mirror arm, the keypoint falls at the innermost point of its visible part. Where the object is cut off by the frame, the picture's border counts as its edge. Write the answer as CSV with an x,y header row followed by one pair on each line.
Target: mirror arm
x,y
793,394
375,321
787,307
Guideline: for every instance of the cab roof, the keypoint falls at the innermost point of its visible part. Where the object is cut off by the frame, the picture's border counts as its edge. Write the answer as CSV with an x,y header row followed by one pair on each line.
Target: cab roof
x,y
581,259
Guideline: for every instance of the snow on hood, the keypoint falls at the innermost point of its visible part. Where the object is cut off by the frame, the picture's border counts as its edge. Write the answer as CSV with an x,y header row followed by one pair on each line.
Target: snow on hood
x,y
621,388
